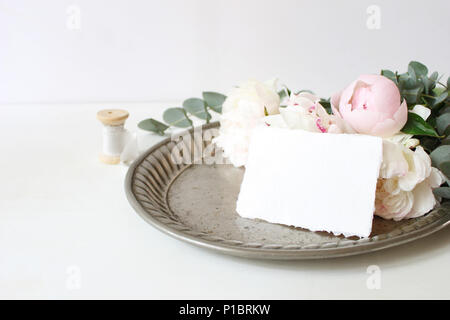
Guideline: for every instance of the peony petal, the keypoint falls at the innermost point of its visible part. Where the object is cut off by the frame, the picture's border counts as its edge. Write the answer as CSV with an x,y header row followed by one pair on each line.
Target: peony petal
x,y
424,200
394,206
394,163
343,125
389,127
361,120
370,78
421,111
436,178
385,97
300,102
419,164
298,118
335,99
272,83
346,95
334,129
321,112
275,121
308,96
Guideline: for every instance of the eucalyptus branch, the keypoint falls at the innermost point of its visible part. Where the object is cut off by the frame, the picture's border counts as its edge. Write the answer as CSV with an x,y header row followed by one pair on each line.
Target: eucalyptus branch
x,y
417,87
180,117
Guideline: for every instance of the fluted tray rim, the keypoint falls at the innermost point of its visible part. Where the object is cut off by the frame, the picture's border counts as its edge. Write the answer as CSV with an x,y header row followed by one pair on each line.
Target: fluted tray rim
x,y
436,220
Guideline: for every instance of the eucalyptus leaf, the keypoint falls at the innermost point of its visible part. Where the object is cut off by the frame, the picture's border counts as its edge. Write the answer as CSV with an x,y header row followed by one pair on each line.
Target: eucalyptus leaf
x,y
412,95
282,94
446,141
448,83
443,124
440,155
197,108
417,126
443,192
214,100
432,121
419,69
429,143
412,73
438,90
327,105
305,90
407,81
177,117
434,76
390,75
430,83
441,98
444,110
445,168
153,126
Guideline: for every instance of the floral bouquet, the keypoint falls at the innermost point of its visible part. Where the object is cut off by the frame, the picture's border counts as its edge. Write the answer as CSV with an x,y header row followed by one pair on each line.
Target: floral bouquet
x,y
409,112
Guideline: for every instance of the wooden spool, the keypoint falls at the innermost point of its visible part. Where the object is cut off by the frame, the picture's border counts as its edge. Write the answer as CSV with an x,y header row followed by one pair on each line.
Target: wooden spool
x,y
114,118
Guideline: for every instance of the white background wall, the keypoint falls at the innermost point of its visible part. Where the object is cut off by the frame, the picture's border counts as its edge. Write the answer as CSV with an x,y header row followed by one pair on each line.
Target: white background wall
x,y
133,50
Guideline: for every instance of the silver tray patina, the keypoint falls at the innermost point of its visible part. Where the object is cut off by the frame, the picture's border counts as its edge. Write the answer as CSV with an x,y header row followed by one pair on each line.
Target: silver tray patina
x,y
195,202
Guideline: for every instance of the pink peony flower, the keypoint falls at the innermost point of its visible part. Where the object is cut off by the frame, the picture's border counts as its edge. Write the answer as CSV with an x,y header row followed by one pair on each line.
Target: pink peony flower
x,y
371,105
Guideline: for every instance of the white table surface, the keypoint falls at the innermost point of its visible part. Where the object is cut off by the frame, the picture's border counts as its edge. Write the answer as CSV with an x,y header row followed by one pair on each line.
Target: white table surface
x,y
68,232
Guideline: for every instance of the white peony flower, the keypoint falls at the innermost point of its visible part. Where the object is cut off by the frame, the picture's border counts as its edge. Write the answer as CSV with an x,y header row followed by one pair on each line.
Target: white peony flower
x,y
303,111
242,111
424,199
406,182
391,202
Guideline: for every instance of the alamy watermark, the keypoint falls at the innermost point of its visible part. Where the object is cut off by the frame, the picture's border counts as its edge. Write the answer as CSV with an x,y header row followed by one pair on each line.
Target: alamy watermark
x,y
73,19
373,282
373,21
73,279
197,147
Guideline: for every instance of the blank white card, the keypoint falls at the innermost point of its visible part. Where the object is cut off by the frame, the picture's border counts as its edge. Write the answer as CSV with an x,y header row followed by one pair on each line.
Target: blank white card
x,y
317,181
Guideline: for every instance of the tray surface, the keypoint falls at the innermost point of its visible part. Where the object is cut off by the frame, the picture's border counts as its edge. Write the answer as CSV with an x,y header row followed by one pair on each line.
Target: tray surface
x,y
196,203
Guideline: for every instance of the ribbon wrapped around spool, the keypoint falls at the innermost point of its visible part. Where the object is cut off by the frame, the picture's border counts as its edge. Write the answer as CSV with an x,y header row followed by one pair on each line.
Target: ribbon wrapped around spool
x,y
115,137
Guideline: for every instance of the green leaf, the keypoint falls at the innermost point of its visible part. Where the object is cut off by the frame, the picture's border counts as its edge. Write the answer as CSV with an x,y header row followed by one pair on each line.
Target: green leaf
x,y
429,143
407,81
440,155
441,98
445,110
282,94
438,90
446,141
390,75
197,108
327,105
305,90
177,117
443,192
214,100
419,69
448,83
153,126
434,76
430,83
417,126
443,124
412,95
412,73
445,168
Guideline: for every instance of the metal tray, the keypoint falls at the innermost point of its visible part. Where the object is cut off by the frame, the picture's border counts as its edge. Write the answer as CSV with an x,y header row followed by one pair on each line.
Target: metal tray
x,y
196,203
